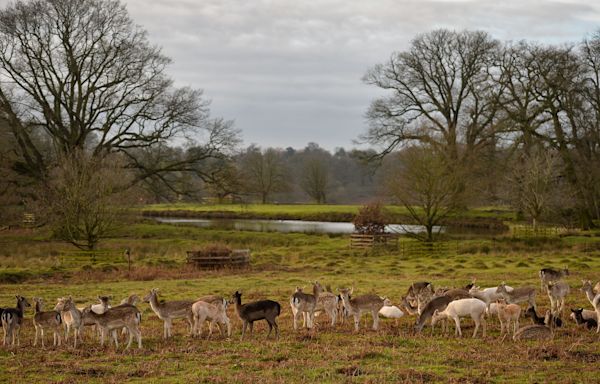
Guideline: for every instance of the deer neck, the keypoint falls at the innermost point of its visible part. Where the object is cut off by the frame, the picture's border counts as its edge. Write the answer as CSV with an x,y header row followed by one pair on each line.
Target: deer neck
x,y
154,304
589,293
238,305
347,303
21,308
38,308
316,292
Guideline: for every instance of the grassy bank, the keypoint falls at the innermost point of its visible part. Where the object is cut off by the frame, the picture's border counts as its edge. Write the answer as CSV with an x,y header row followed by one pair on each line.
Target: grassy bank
x,y
486,217
279,263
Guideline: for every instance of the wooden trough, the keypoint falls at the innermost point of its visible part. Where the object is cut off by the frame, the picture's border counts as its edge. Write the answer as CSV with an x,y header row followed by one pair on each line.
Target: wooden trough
x,y
238,258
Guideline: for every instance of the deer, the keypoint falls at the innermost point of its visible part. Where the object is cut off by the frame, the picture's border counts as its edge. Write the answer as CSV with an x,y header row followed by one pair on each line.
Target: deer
x,y
589,323
46,320
169,311
488,295
593,298
420,293
390,311
71,317
215,312
436,304
533,332
303,303
517,295
258,310
557,291
132,299
549,275
506,314
328,302
12,319
456,309
127,316
356,306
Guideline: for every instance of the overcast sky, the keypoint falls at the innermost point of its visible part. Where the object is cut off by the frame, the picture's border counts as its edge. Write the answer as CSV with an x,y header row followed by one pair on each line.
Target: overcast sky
x,y
289,71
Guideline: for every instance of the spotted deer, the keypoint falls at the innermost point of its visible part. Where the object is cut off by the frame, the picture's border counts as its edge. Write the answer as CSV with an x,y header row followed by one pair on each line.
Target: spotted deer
x,y
358,305
517,295
303,303
50,320
127,316
593,298
170,310
12,319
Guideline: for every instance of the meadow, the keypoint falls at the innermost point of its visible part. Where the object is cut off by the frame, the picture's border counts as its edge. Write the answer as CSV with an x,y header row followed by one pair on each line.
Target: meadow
x,y
32,264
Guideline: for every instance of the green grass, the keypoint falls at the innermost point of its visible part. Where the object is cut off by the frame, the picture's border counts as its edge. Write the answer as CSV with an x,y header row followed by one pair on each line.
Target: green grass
x,y
310,211
279,263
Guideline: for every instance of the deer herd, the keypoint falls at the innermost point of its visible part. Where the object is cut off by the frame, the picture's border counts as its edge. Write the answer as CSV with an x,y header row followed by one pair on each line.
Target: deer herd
x,y
421,300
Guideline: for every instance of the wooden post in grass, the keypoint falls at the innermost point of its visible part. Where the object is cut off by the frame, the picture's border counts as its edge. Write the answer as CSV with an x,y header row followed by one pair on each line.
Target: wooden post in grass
x,y
128,255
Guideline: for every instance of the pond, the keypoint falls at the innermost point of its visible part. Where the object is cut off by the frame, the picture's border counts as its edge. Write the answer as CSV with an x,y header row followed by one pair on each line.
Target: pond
x,y
283,225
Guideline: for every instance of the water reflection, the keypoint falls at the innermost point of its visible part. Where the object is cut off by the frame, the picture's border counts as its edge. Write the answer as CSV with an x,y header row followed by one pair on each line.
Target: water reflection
x,y
284,225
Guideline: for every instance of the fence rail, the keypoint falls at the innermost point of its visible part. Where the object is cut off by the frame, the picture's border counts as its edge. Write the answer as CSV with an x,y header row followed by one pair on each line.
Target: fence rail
x,y
238,258
526,231
358,240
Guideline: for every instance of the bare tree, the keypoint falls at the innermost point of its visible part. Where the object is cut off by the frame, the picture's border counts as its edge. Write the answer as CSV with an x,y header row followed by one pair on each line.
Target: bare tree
x,y
534,181
264,172
85,197
315,178
441,93
424,184
224,179
81,74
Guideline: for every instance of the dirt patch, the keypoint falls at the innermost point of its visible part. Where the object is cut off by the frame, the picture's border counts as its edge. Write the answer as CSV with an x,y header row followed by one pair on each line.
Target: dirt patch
x,y
366,355
92,372
544,352
350,371
584,356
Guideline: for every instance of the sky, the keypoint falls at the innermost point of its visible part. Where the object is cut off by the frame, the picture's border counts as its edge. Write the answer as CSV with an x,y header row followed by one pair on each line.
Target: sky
x,y
288,72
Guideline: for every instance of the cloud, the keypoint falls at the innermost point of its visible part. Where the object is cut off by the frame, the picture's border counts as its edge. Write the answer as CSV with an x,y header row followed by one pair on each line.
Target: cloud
x,y
289,72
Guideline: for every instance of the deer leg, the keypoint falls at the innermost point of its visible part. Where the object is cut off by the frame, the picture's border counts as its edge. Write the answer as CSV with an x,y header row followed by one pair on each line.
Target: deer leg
x,y
139,337
114,337
244,329
191,324
375,315
251,327
36,337
295,316
477,321
195,330
130,338
457,331
356,321
311,318
210,327
270,328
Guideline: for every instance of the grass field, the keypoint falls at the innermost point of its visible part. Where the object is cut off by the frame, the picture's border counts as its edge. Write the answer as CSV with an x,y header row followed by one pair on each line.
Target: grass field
x,y
279,263
326,212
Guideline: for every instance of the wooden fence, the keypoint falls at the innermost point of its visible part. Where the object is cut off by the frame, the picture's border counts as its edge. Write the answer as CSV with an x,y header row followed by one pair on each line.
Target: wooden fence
x,y
238,258
528,231
358,240
437,249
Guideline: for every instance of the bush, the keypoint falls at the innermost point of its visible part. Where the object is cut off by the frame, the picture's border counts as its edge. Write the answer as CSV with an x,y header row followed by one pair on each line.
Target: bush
x,y
371,219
